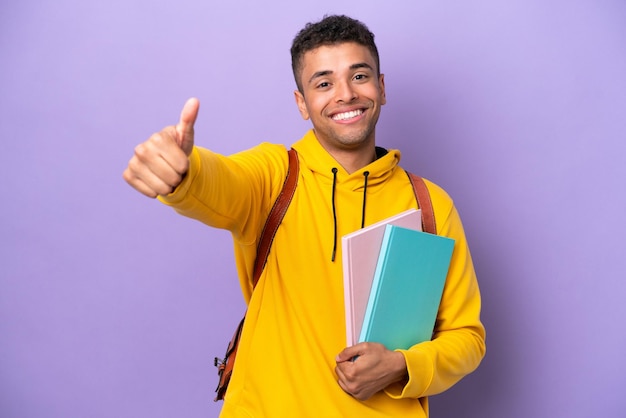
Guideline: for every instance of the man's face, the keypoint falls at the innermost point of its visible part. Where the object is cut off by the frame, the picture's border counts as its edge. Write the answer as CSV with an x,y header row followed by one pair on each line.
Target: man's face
x,y
342,95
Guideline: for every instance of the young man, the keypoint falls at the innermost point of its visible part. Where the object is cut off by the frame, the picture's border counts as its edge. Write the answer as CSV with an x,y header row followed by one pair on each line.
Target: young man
x,y
292,359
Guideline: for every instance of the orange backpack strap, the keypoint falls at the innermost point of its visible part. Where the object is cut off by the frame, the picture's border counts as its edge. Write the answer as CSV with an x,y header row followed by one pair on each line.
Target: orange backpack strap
x,y
275,217
424,203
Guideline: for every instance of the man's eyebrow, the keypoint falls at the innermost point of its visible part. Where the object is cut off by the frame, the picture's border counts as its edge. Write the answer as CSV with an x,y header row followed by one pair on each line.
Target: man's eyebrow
x,y
324,73
319,74
361,65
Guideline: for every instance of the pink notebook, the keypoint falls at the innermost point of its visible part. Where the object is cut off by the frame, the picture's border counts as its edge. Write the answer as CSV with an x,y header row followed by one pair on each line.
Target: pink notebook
x,y
360,254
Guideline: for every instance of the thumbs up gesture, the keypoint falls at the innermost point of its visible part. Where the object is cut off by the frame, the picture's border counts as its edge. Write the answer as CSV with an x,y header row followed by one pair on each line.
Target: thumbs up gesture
x,y
160,163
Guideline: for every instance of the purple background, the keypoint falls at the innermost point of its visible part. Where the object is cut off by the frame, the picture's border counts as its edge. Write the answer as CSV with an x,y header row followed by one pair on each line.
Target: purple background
x,y
111,305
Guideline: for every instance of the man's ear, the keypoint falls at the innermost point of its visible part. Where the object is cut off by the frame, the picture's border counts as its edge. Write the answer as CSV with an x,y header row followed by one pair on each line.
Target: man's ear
x,y
381,84
304,112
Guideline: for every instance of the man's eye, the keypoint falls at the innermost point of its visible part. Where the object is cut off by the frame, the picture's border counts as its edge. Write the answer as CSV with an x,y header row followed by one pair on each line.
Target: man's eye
x,y
323,85
360,77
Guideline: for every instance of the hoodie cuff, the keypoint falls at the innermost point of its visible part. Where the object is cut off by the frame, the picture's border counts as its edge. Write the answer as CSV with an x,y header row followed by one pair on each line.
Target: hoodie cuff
x,y
420,370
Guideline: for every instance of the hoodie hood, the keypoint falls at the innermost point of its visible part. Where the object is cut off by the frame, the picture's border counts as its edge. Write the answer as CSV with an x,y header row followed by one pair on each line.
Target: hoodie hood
x,y
318,160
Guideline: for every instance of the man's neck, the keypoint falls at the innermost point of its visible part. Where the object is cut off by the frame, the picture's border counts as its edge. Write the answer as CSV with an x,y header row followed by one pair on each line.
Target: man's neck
x,y
354,160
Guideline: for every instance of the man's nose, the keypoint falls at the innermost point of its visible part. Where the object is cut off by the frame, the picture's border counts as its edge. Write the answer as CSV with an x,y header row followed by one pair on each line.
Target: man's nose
x,y
345,92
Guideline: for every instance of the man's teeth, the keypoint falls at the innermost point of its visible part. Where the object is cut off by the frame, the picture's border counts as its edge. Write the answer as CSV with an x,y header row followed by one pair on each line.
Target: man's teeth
x,y
347,115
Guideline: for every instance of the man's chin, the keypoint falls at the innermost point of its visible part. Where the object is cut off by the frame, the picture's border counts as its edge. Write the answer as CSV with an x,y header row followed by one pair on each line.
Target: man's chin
x,y
353,139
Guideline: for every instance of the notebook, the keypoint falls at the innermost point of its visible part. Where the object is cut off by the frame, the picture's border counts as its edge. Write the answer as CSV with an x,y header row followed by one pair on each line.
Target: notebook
x,y
406,289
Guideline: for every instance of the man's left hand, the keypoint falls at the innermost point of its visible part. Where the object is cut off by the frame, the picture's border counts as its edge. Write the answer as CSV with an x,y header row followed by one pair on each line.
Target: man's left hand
x,y
367,368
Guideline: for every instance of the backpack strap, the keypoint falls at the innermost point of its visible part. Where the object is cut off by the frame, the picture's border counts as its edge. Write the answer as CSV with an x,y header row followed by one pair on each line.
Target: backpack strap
x,y
424,203
276,215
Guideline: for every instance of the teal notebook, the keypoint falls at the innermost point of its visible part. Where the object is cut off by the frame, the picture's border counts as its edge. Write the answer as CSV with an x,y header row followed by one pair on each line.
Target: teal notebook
x,y
407,287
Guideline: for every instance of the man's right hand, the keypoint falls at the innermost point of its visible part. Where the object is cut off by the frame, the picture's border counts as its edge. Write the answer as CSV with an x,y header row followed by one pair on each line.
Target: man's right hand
x,y
160,163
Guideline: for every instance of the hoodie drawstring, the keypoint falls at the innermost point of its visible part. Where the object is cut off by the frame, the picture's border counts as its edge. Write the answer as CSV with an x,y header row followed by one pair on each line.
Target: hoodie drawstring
x,y
365,175
334,170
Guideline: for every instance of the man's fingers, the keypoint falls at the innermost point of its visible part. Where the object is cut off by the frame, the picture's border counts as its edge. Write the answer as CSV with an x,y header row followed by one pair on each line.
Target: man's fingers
x,y
184,128
162,147
158,165
138,184
153,180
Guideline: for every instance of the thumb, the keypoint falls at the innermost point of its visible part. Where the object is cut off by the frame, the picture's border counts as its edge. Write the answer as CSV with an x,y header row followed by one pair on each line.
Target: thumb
x,y
184,128
349,354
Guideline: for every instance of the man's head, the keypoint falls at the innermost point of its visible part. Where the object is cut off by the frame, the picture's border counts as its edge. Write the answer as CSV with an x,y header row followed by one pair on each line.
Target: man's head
x,y
340,87
331,30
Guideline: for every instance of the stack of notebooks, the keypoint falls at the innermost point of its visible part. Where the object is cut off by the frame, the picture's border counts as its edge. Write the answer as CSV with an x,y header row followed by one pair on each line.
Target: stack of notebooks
x,y
394,276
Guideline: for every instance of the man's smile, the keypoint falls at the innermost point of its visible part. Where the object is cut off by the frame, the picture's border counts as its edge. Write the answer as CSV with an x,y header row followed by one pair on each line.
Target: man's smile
x,y
345,116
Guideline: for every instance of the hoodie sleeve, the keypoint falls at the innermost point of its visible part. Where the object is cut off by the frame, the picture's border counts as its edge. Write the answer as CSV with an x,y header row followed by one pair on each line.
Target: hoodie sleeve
x,y
458,343
231,192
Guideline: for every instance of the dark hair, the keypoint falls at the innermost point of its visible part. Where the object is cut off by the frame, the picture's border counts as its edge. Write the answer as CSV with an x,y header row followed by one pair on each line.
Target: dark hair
x,y
331,30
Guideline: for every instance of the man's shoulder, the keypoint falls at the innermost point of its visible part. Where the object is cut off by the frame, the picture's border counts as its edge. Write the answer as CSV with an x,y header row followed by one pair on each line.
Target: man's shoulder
x,y
265,154
437,192
438,195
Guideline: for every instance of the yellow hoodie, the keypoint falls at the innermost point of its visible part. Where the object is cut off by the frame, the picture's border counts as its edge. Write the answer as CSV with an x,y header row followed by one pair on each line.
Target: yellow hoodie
x,y
295,323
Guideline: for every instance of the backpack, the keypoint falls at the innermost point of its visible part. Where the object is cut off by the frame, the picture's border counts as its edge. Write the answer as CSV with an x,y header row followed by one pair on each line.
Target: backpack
x,y
275,217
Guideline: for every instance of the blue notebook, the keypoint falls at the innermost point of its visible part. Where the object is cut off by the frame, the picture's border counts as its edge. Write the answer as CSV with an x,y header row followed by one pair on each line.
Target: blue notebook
x,y
407,287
